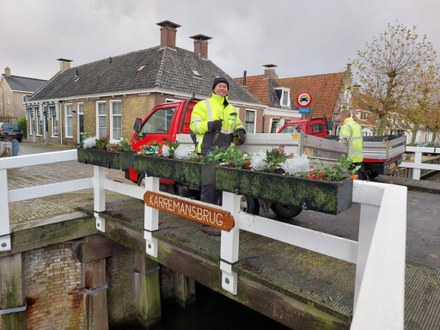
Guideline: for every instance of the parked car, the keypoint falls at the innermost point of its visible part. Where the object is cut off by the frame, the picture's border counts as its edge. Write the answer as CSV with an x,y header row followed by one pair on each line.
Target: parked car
x,y
10,131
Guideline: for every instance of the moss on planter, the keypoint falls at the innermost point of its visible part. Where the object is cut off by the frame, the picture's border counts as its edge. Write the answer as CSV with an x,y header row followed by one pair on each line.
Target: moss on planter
x,y
126,159
330,197
98,157
193,173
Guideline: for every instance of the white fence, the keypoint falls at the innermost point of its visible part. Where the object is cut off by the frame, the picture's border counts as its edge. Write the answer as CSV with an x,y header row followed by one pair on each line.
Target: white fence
x,y
379,254
418,165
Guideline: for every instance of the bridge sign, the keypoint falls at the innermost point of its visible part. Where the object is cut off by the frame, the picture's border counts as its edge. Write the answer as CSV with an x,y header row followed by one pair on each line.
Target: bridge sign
x,y
195,211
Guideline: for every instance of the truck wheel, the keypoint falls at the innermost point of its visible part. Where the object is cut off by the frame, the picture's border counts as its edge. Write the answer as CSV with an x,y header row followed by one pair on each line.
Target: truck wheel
x,y
141,180
285,212
249,204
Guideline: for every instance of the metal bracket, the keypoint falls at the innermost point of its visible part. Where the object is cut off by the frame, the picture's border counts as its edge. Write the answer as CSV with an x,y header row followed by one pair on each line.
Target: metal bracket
x,y
95,290
150,271
5,243
151,243
229,278
100,222
13,310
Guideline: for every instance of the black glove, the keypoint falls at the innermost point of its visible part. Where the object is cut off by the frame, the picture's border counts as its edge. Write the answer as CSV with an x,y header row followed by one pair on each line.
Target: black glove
x,y
215,125
241,136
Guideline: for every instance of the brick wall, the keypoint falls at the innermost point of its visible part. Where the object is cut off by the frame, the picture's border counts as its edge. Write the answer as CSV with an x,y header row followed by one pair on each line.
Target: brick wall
x,y
52,285
120,292
52,279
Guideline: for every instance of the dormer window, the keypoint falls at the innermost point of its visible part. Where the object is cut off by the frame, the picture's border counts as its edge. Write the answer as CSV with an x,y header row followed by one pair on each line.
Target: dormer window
x,y
283,94
195,72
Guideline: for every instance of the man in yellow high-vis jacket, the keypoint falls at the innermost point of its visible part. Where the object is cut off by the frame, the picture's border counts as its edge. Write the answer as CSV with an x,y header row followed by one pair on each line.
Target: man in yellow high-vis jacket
x,y
351,133
215,122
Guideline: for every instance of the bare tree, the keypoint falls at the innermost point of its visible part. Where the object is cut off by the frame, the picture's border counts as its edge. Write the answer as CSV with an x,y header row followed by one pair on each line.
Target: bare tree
x,y
420,105
387,67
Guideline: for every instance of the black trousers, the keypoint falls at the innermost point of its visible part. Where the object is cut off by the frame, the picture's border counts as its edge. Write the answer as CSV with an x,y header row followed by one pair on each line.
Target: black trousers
x,y
209,194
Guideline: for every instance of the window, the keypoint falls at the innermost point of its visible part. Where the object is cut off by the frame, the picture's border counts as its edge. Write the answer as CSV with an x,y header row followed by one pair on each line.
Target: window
x,y
284,96
54,121
249,122
101,118
275,125
39,121
116,119
159,121
24,99
68,120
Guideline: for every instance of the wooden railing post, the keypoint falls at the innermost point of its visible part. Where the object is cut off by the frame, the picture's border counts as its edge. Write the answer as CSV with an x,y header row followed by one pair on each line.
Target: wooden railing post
x,y
12,305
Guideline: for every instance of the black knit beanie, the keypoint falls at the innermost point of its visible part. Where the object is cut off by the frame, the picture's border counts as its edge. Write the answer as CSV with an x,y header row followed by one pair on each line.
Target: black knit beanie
x,y
220,80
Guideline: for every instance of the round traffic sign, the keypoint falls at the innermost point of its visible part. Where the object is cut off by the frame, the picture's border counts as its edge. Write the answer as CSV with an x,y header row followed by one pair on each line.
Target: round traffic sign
x,y
304,99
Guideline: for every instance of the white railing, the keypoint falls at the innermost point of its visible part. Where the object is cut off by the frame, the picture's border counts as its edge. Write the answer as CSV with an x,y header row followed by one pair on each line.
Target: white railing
x,y
418,165
379,253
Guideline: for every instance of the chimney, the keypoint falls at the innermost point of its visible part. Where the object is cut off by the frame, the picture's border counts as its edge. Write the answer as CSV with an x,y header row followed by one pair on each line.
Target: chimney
x,y
201,45
244,78
269,71
168,34
7,71
64,64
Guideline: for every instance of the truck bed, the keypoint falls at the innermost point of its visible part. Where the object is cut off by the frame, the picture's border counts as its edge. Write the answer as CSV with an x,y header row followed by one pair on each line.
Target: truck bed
x,y
383,148
315,147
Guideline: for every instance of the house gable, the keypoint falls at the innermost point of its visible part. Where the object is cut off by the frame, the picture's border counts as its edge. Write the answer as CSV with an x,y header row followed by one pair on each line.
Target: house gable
x,y
326,90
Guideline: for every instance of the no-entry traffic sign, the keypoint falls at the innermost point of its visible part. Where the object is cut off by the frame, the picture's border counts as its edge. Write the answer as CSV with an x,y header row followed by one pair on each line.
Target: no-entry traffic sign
x,y
304,99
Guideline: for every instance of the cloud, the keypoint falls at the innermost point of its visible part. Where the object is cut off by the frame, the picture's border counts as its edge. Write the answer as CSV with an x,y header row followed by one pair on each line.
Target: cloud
x,y
301,37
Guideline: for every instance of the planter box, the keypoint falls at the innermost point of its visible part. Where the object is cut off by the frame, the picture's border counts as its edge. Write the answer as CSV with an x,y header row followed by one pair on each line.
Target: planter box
x,y
126,159
330,197
98,157
193,173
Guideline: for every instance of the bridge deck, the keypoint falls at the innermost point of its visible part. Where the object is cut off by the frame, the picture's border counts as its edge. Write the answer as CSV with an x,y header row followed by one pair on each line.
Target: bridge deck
x,y
308,278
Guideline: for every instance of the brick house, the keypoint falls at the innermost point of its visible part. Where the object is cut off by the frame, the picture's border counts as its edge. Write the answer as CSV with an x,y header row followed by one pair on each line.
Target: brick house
x,y
104,97
330,92
15,90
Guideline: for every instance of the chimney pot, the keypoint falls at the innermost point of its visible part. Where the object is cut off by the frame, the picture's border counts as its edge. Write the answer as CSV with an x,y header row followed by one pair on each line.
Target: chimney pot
x,y
201,45
168,34
64,64
269,72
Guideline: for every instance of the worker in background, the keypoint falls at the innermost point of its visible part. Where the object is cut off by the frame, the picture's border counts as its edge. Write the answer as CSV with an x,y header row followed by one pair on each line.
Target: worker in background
x,y
215,122
351,133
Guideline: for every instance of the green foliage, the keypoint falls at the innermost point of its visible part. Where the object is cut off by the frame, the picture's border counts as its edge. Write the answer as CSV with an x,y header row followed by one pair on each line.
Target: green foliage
x,y
102,142
124,145
21,122
344,168
231,156
172,146
275,158
151,148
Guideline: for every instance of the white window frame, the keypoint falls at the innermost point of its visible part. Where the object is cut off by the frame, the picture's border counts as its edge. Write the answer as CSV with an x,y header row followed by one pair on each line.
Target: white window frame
x,y
285,97
254,123
54,121
39,121
112,122
102,115
79,112
68,120
277,126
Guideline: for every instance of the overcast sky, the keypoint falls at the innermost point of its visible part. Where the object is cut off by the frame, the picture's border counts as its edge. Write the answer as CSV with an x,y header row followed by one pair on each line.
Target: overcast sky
x,y
301,37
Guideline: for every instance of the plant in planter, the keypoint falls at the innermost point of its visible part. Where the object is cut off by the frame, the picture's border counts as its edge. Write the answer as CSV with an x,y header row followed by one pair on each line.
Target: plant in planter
x,y
278,177
104,152
229,157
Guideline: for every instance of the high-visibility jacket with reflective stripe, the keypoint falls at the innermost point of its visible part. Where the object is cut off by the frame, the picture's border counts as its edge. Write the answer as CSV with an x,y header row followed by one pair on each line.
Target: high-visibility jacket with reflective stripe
x,y
352,132
209,110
